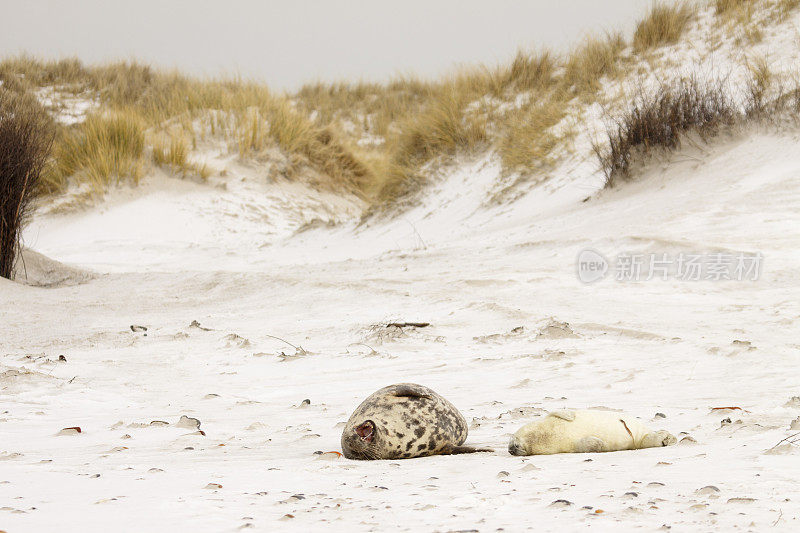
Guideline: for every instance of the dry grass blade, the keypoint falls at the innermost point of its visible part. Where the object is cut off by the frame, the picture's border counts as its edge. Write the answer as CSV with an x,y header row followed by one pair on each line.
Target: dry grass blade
x,y
759,85
793,440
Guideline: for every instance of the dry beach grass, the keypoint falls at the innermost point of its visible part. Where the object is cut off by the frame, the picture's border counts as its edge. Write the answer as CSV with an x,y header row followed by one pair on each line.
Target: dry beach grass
x,y
374,140
145,116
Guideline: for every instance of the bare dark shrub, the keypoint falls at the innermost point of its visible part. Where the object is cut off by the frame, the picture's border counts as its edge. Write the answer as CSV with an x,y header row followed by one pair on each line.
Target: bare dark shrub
x,y
26,136
658,119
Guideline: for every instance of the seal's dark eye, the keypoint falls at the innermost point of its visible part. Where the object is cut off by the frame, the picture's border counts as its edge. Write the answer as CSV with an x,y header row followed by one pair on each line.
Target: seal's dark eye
x,y
366,431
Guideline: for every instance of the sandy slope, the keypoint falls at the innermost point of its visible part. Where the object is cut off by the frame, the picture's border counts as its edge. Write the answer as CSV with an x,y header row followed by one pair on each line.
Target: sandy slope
x,y
514,333
497,284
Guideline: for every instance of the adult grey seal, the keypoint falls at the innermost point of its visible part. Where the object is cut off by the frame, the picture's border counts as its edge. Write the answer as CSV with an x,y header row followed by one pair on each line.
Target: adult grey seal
x,y
403,421
590,430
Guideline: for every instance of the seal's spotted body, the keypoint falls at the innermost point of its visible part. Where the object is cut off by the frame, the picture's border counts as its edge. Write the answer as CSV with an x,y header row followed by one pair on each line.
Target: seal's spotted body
x,y
403,421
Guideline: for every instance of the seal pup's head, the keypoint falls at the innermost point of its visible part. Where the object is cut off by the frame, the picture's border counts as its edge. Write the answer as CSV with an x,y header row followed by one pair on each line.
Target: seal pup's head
x,y
515,447
361,442
657,439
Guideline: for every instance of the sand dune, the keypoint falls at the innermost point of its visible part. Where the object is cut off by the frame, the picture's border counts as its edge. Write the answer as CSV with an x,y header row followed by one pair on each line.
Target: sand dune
x,y
33,268
242,338
183,356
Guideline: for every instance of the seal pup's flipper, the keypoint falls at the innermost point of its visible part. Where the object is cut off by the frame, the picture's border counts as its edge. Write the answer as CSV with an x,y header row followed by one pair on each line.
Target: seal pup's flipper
x,y
590,445
457,450
564,414
411,391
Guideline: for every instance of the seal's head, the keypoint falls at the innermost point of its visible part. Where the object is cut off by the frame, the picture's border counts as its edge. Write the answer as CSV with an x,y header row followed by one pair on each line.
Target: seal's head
x,y
403,421
515,447
361,442
657,439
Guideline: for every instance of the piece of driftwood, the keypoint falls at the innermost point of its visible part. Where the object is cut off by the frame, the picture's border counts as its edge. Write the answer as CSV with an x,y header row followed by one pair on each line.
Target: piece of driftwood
x,y
408,324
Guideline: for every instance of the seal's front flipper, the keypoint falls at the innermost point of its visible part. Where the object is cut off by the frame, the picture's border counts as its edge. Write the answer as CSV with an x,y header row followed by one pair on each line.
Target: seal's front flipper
x,y
564,414
457,450
410,390
590,445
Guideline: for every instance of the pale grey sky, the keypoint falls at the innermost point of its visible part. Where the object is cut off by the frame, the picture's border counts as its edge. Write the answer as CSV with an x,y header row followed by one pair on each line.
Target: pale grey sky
x,y
288,42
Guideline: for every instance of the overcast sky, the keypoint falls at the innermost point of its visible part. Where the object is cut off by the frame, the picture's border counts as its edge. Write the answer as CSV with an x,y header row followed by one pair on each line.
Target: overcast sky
x,y
288,42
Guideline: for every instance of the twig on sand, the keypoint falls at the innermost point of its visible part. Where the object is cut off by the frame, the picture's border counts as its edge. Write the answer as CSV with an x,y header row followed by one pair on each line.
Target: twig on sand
x,y
373,352
298,349
408,324
775,523
792,439
421,240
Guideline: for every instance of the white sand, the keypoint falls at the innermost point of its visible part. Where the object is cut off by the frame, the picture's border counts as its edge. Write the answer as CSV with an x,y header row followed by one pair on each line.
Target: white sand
x,y
252,260
476,274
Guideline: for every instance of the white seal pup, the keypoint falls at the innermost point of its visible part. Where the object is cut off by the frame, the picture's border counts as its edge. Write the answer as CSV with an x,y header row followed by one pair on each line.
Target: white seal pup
x,y
403,421
583,431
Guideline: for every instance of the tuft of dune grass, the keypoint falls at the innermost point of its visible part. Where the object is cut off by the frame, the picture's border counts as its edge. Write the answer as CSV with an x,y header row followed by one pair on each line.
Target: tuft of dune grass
x,y
320,146
740,17
784,8
529,72
664,24
744,11
252,134
593,59
391,182
758,86
441,128
530,139
730,7
102,150
172,153
371,107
